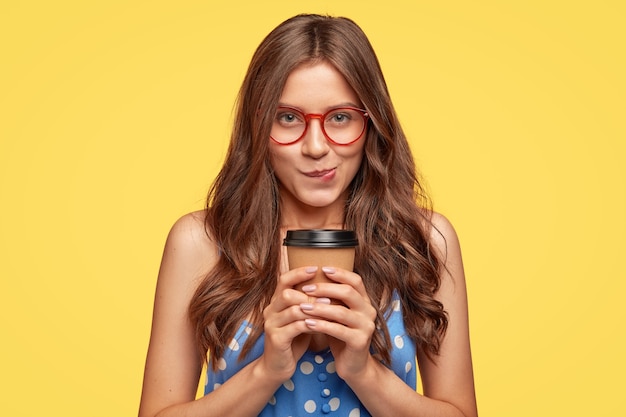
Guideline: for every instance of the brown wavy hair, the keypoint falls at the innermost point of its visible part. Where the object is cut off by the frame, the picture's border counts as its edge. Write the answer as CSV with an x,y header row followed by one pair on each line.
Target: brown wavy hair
x,y
387,205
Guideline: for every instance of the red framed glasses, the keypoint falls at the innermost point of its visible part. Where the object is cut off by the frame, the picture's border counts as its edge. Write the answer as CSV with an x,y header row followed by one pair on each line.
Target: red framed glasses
x,y
340,125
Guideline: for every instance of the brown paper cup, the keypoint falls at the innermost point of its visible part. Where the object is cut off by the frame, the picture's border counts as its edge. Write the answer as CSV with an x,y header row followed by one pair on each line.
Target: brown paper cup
x,y
337,257
320,247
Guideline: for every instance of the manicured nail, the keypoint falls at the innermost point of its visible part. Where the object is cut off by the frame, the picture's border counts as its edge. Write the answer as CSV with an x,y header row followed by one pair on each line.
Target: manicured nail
x,y
309,288
310,269
306,306
329,270
323,300
310,322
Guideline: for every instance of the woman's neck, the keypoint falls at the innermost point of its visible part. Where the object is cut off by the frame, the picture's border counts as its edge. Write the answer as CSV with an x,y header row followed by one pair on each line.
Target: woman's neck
x,y
300,216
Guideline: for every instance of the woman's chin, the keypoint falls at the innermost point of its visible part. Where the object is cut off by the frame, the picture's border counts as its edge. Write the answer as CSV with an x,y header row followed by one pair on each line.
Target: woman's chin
x,y
321,200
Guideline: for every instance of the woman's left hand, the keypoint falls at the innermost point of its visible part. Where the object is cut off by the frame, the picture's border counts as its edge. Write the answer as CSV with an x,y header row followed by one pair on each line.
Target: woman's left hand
x,y
349,324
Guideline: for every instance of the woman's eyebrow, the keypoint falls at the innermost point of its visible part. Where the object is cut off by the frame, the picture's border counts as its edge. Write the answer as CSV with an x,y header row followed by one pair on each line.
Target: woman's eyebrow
x,y
334,106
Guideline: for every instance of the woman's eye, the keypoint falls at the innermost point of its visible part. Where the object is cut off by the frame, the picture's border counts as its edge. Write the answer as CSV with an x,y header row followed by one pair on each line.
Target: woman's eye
x,y
339,118
287,118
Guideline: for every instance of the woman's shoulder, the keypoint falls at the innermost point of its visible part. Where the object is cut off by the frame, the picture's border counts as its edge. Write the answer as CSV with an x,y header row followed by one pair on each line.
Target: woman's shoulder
x,y
191,229
190,242
190,224
440,232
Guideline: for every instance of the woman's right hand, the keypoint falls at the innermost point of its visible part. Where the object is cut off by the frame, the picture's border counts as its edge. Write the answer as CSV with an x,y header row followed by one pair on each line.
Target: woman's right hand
x,y
286,335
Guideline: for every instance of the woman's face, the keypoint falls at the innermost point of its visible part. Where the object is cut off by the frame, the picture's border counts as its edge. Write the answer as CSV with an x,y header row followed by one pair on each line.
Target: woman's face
x,y
314,171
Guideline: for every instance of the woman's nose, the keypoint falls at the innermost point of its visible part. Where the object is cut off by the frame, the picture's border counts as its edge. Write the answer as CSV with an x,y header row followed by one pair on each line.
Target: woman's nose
x,y
314,143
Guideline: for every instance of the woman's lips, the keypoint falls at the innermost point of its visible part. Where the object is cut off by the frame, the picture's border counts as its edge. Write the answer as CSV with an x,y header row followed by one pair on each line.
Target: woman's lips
x,y
327,174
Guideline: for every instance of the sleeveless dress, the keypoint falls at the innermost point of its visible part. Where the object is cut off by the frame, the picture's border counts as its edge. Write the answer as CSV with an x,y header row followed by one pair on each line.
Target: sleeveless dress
x,y
315,389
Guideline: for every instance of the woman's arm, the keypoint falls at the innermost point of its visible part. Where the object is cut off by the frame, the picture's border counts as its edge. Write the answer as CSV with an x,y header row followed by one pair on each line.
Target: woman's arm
x,y
173,365
447,379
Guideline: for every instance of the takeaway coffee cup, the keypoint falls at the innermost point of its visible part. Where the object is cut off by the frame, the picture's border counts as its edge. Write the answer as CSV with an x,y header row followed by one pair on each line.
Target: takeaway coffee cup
x,y
320,247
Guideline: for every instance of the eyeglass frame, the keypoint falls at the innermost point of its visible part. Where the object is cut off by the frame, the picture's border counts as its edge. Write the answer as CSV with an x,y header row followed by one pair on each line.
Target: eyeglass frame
x,y
321,117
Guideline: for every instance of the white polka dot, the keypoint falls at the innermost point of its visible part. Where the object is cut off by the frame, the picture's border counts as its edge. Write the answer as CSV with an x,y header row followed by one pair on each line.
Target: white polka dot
x,y
318,359
306,368
395,305
247,329
216,386
272,401
221,364
330,368
289,385
408,367
234,345
326,392
310,406
398,341
355,413
334,403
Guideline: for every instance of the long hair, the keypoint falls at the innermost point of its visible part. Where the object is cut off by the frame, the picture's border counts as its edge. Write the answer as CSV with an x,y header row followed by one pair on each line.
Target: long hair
x,y
387,205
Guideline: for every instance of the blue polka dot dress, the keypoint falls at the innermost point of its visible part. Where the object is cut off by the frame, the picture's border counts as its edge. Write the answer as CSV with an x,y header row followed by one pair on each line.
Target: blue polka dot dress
x,y
315,389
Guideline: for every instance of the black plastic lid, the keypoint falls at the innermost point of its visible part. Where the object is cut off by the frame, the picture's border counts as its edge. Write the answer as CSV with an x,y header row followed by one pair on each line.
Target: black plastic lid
x,y
321,238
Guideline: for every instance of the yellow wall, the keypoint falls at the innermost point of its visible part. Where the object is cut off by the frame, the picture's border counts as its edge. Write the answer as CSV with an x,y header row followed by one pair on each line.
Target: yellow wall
x,y
114,118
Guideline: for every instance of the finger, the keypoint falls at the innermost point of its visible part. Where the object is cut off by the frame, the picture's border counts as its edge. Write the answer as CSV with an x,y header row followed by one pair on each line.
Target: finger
x,y
354,338
291,278
341,294
296,276
344,276
284,307
281,337
340,314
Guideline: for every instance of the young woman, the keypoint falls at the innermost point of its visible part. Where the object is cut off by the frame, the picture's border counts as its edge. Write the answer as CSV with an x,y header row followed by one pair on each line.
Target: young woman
x,y
316,144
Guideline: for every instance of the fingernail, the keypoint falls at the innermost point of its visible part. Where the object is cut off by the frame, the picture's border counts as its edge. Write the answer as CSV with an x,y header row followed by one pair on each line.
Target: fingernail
x,y
309,288
310,322
306,306
323,300
329,270
310,269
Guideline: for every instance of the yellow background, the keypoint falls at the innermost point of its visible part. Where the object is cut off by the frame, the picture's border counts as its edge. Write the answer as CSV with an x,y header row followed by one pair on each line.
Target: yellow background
x,y
114,117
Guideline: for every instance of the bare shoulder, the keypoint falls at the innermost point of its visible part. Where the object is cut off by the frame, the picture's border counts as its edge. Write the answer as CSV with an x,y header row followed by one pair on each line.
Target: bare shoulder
x,y
189,246
191,225
443,236
190,232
